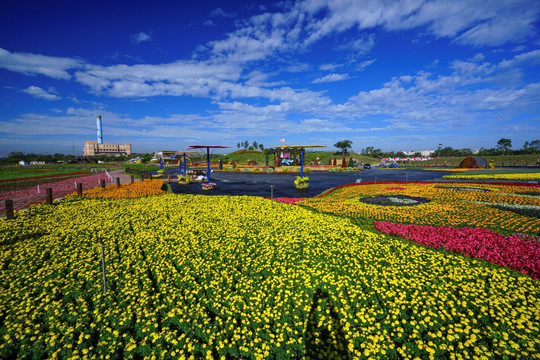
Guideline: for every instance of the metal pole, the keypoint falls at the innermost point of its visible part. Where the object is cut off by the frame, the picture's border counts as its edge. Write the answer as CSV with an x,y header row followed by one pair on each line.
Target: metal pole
x,y
302,162
185,172
208,165
272,195
103,267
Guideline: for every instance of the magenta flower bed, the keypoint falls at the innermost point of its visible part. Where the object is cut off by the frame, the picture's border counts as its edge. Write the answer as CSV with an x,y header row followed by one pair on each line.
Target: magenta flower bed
x,y
516,252
64,186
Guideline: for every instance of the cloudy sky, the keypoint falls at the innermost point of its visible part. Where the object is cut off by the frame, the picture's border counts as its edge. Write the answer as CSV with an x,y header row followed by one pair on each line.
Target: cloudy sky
x,y
396,75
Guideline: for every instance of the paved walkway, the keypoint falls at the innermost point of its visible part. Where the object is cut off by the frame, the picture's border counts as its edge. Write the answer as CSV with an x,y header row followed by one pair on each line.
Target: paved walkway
x,y
25,202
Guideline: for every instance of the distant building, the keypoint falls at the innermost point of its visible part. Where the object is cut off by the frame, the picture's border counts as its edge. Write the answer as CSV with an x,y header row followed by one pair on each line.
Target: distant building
x,y
92,148
166,154
422,153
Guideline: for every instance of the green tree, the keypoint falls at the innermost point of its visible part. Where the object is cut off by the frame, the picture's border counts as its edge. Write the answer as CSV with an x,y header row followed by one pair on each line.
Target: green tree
x,y
532,147
344,146
146,157
504,145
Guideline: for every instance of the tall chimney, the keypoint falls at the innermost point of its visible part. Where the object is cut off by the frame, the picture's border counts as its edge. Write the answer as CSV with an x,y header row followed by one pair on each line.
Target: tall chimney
x,y
99,131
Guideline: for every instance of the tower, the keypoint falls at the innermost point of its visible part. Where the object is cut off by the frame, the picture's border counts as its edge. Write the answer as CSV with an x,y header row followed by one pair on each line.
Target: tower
x,y
99,131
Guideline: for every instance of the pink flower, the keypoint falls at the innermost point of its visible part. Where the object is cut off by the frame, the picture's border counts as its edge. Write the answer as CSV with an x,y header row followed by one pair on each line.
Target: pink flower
x,y
64,186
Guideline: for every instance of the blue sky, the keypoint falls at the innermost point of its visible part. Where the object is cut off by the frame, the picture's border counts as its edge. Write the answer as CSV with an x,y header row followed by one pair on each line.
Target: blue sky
x,y
396,75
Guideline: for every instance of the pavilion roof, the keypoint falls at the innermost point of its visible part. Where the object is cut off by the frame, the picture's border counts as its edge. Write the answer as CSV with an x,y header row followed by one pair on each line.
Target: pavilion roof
x,y
207,146
299,146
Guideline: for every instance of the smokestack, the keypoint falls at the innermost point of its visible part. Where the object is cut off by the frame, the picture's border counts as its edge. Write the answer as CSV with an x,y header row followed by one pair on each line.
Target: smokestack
x,y
99,131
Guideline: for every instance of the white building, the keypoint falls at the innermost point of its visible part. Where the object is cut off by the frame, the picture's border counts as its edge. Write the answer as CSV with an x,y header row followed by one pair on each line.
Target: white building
x,y
422,153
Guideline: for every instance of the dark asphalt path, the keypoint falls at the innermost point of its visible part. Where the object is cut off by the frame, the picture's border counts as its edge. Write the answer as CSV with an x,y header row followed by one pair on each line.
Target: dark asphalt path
x,y
229,183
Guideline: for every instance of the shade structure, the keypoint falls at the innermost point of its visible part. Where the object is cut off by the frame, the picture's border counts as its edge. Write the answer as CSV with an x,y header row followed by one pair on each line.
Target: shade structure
x,y
302,148
207,147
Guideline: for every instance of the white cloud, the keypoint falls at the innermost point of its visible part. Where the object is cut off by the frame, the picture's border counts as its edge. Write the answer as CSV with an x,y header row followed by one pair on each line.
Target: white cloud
x,y
360,46
40,93
140,37
331,78
33,64
471,22
220,13
178,78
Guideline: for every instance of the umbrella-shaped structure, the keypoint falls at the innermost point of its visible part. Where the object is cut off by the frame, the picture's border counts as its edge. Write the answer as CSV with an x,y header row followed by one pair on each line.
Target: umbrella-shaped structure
x,y
302,149
207,147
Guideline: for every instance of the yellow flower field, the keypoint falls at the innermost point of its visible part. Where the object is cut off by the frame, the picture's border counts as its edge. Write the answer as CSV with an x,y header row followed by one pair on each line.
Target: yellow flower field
x,y
224,277
137,189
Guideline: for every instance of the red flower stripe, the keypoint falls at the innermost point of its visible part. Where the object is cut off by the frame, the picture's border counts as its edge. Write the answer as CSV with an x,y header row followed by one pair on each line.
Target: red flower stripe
x,y
520,253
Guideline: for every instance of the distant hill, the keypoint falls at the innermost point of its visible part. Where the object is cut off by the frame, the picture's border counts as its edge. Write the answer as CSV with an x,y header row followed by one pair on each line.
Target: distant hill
x,y
507,160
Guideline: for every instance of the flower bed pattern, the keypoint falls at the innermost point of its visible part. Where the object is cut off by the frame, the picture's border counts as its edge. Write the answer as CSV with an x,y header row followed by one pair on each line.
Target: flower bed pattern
x,y
446,207
189,276
521,176
461,188
396,200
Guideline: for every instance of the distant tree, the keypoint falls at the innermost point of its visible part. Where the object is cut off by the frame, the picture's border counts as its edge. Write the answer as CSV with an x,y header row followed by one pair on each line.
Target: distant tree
x,y
246,144
261,147
255,145
238,145
367,151
371,151
532,147
344,147
438,151
146,157
447,151
504,145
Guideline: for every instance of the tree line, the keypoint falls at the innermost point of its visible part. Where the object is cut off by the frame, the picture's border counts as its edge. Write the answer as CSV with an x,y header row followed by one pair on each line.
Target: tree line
x,y
250,146
16,156
504,147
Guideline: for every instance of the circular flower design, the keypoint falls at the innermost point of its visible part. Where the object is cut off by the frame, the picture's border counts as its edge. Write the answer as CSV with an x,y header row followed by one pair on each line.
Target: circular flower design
x,y
395,200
